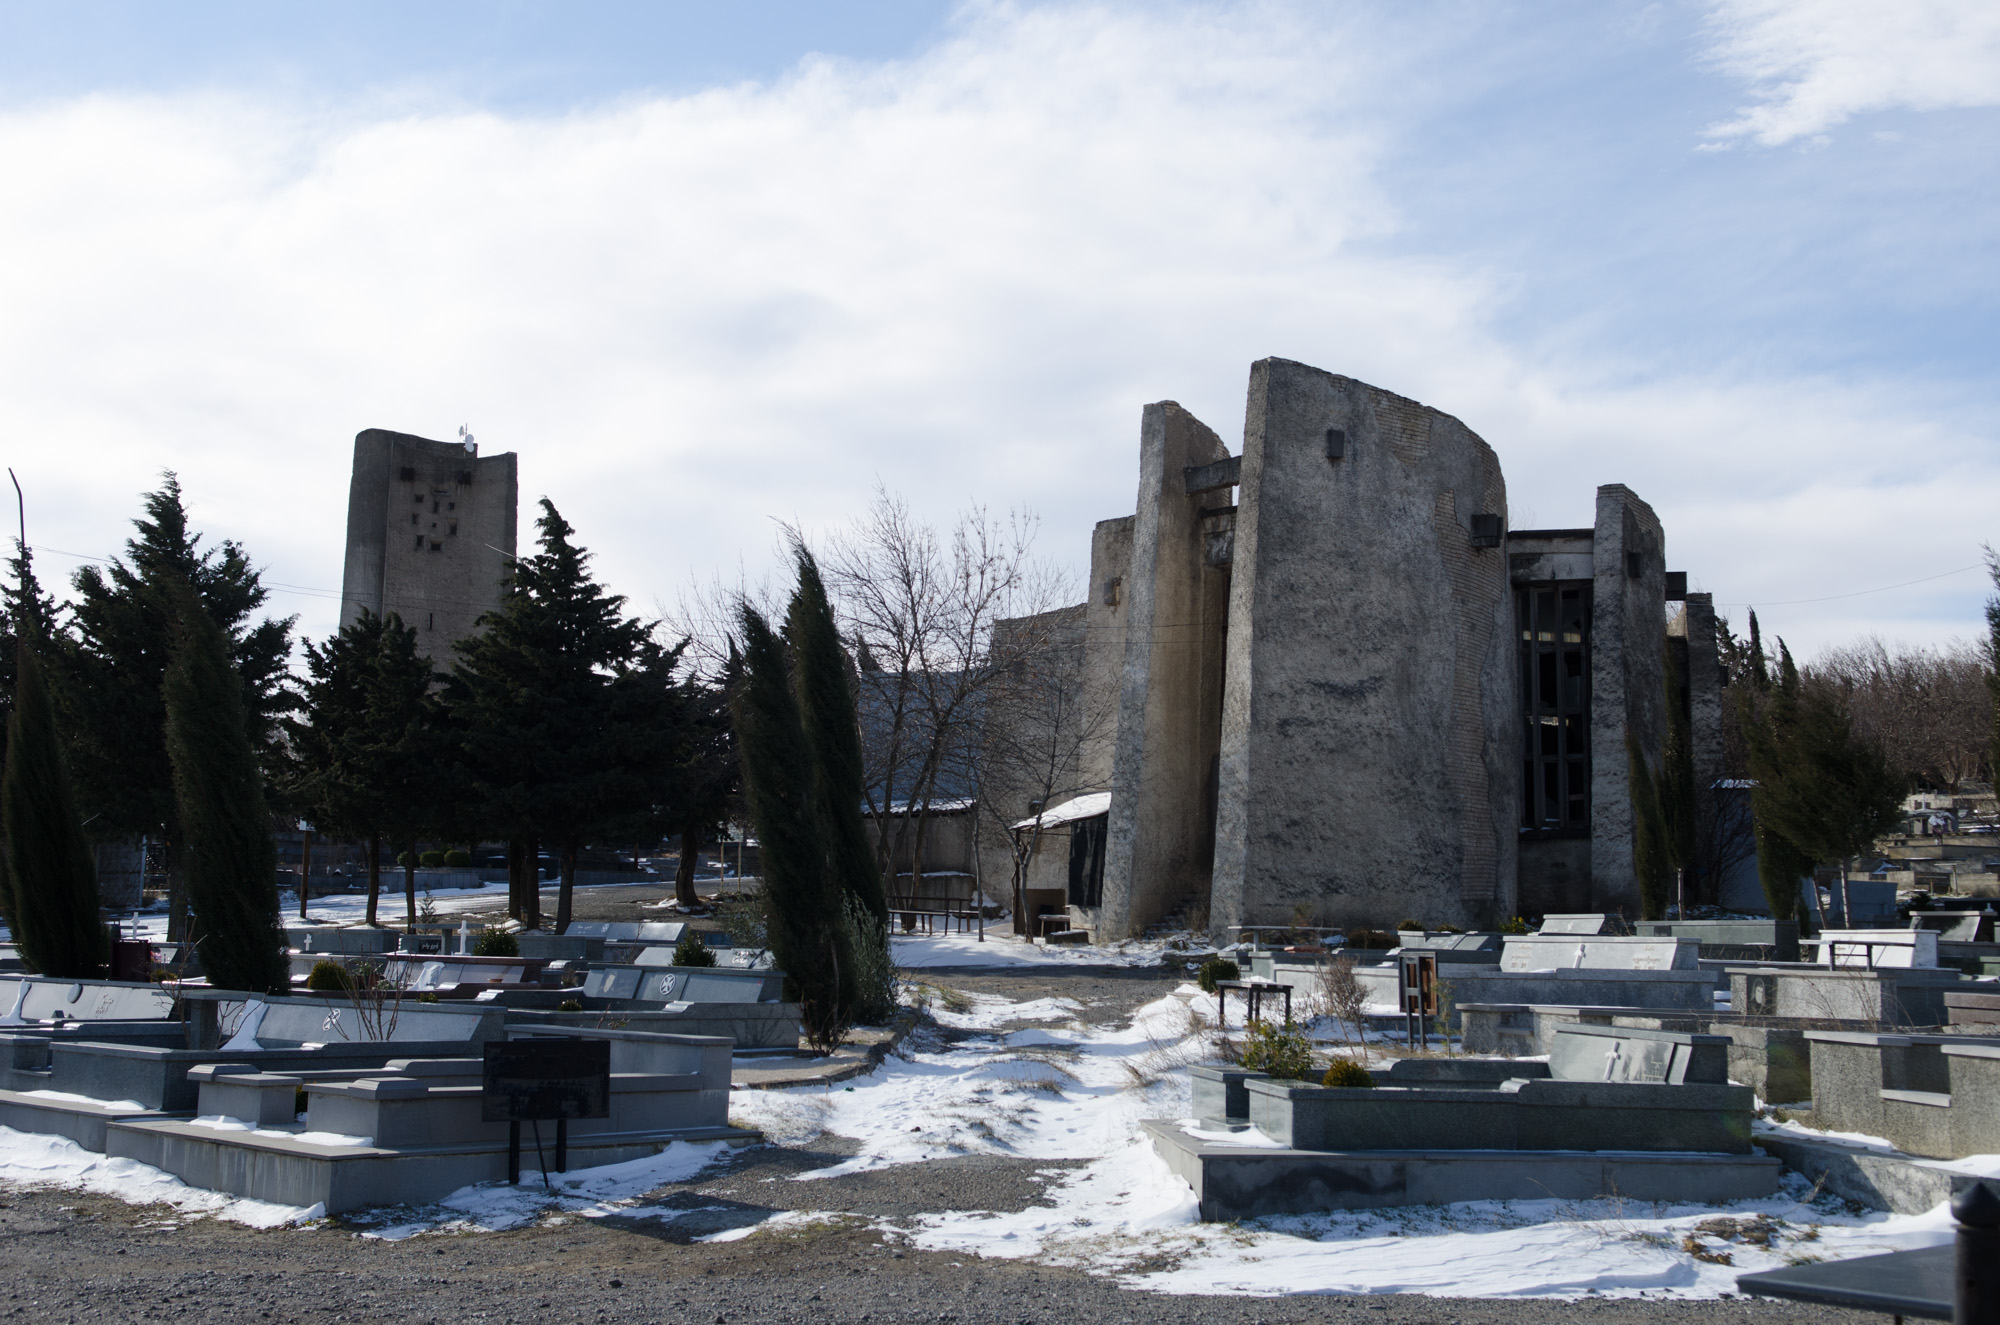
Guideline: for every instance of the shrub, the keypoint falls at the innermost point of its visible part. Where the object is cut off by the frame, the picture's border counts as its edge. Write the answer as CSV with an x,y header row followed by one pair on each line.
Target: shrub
x,y
427,997
1409,925
1514,926
496,943
569,1005
405,859
1215,970
328,977
690,951
1450,929
1282,1051
1347,1074
457,860
431,860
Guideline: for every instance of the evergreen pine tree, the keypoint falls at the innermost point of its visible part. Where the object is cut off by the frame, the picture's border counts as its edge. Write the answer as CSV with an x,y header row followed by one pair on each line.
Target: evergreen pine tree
x,y
231,860
109,682
364,761
52,879
803,899
31,607
562,710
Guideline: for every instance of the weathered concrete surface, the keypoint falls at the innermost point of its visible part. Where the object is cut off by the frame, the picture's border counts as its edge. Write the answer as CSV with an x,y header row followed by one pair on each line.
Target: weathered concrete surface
x,y
1886,997
1160,842
1628,640
1771,1059
1878,1179
1370,712
1243,1182
434,547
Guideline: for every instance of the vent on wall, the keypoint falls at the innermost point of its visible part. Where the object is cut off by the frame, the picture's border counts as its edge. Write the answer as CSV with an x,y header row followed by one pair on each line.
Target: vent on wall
x,y
408,474
1486,530
1677,586
464,476
1635,564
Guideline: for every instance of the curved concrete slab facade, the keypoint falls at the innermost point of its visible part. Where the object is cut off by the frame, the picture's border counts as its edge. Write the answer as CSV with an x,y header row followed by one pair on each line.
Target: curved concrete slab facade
x,y
1344,692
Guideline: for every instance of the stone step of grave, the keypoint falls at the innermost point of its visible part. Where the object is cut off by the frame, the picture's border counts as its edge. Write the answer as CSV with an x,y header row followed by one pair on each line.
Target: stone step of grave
x,y
1868,1175
1245,1181
52,1113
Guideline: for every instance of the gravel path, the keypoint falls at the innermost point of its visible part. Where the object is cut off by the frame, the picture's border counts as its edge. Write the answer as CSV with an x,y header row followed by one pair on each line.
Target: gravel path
x,y
71,1258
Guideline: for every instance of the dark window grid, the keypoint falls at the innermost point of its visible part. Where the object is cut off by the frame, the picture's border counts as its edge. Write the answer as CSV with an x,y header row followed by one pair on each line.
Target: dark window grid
x,y
1554,627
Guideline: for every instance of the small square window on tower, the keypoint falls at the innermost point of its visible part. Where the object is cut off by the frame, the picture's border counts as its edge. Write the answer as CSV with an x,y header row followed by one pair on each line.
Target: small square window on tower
x,y
420,544
408,474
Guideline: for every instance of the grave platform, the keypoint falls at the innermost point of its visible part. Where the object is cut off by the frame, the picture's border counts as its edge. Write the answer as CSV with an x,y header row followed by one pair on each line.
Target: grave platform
x,y
271,1165
1869,1175
1233,1180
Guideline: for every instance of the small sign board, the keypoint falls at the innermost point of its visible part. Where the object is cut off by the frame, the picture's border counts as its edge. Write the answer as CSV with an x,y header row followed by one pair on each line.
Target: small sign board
x,y
1419,984
538,1080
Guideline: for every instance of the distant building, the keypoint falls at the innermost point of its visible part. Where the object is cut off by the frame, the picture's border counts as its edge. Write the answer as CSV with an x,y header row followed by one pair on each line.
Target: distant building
x,y
430,534
1342,688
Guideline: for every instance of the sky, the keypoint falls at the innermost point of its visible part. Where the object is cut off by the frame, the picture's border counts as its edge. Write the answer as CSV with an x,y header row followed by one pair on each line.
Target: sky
x,y
709,268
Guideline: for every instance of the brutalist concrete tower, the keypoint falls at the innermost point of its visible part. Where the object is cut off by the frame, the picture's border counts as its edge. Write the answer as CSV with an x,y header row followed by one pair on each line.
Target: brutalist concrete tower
x,y
430,534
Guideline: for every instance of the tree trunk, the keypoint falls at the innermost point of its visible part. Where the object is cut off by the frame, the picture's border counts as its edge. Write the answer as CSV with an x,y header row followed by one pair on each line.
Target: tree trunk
x,y
410,889
684,894
305,870
531,895
374,874
177,898
567,868
517,851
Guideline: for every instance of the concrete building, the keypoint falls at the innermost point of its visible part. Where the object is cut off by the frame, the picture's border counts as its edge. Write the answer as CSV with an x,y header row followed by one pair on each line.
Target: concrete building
x,y
430,534
1344,691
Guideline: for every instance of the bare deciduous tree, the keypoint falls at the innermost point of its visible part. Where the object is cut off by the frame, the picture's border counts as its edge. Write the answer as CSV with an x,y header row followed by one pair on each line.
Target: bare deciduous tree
x,y
923,611
1927,708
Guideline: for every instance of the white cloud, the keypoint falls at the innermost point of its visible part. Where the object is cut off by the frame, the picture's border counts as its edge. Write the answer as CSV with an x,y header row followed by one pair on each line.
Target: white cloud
x,y
1814,64
965,272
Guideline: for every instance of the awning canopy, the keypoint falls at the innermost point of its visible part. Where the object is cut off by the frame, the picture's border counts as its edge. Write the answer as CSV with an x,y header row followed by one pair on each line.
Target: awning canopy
x,y
1080,807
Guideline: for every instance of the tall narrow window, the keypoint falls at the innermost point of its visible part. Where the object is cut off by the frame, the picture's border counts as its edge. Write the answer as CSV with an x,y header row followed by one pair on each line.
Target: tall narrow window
x,y
1554,623
1086,861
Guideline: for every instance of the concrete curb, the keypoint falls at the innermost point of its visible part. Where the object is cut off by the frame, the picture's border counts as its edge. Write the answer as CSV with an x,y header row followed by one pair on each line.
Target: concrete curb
x,y
845,1064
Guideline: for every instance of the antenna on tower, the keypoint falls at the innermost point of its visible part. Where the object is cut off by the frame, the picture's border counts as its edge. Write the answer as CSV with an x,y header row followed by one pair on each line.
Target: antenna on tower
x,y
465,436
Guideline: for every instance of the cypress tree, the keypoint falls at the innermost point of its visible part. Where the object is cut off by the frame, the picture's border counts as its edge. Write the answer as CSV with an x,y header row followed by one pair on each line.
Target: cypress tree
x,y
803,901
231,860
1823,793
1676,789
1993,664
52,878
833,733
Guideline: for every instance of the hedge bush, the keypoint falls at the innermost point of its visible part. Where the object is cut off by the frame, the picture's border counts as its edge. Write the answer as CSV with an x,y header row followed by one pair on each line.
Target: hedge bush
x,y
1281,1051
1215,970
496,943
328,977
1348,1074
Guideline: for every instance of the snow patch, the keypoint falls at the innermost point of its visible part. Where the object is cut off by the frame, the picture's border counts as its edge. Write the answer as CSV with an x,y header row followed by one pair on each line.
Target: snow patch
x,y
32,1160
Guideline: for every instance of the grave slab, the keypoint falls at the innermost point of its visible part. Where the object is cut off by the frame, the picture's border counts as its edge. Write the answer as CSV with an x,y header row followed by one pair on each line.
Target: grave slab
x,y
1244,1182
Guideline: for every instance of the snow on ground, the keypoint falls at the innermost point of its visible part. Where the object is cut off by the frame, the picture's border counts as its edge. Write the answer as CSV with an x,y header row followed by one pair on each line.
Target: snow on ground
x,y
1127,1211
31,1159
610,1189
1002,947
1066,1092
1063,1093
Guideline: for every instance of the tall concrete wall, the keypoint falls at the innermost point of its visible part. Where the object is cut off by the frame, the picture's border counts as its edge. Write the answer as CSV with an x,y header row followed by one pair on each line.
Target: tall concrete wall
x,y
1159,843
1370,716
1627,682
430,535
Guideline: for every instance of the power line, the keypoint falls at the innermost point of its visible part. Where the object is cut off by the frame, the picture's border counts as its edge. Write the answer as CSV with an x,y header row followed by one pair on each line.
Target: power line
x,y
1860,593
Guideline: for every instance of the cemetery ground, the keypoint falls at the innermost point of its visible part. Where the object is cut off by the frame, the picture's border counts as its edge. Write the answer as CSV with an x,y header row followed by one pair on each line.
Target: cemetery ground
x,y
991,1169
